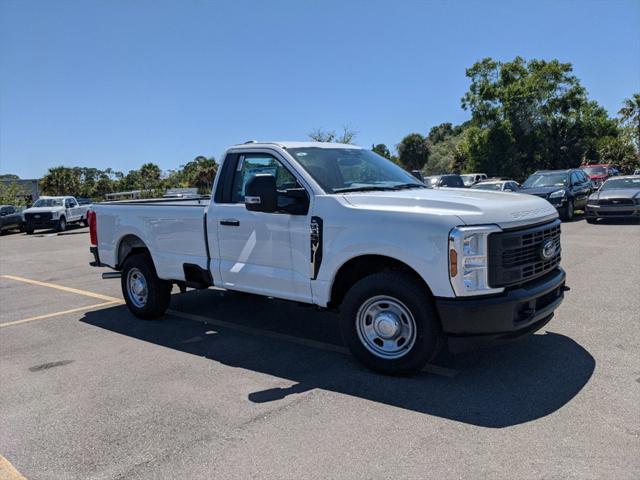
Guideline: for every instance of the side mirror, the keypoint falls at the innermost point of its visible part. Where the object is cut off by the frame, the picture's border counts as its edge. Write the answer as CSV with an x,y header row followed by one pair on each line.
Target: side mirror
x,y
260,194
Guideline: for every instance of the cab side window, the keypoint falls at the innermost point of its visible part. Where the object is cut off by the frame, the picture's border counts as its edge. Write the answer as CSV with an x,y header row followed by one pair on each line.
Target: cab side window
x,y
253,164
575,179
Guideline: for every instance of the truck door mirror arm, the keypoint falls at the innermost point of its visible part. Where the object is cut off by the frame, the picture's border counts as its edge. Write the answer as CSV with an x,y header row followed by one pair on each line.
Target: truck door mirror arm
x,y
294,201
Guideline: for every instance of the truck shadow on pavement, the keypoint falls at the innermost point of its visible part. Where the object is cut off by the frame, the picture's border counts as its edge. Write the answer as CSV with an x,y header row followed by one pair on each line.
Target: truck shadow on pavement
x,y
495,388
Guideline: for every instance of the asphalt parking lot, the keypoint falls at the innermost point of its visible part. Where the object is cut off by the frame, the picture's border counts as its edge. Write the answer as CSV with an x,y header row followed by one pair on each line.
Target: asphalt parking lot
x,y
234,386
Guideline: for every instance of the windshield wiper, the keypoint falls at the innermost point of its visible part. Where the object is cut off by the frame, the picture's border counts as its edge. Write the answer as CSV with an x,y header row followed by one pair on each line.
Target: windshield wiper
x,y
406,186
370,188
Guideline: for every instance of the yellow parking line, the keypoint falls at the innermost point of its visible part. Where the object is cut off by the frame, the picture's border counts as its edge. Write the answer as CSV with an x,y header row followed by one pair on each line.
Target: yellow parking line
x,y
60,287
8,471
57,314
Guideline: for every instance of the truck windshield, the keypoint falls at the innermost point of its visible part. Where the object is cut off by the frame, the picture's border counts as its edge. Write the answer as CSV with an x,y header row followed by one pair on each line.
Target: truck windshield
x,y
546,180
487,186
48,202
595,170
340,170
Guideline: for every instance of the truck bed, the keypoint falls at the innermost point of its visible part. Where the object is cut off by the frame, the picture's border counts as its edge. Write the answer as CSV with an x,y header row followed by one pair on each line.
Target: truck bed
x,y
172,229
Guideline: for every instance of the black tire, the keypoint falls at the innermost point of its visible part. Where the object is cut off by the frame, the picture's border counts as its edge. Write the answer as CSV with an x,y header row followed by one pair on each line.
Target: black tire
x,y
566,215
592,220
62,224
85,222
157,292
29,229
409,293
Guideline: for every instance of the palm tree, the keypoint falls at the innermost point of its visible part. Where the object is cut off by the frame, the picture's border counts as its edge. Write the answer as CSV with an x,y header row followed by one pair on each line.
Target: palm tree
x,y
60,181
630,114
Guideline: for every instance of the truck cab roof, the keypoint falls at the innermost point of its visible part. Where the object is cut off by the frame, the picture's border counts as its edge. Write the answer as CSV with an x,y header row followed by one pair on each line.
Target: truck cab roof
x,y
293,144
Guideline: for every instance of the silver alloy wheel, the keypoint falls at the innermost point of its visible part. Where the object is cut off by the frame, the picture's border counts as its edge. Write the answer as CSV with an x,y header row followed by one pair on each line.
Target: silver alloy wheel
x,y
137,288
63,224
386,327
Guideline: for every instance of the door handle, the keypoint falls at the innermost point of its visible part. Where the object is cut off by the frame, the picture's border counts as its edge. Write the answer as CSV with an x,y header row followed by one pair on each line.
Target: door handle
x,y
230,222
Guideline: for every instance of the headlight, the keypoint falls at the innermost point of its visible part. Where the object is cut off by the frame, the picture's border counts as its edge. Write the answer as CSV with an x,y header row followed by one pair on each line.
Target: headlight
x,y
54,215
557,194
469,260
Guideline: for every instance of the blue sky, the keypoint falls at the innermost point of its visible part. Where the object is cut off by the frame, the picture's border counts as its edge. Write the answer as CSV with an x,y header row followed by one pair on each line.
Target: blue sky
x,y
119,83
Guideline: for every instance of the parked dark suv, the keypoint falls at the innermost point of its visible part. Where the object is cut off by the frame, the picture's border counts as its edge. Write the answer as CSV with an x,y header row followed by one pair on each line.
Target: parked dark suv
x,y
567,190
10,218
448,180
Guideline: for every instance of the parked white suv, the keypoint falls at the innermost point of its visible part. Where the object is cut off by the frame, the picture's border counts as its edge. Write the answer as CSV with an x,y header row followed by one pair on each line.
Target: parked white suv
x,y
409,268
54,212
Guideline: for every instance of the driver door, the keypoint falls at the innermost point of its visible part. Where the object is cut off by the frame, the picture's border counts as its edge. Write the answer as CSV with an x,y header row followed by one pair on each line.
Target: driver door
x,y
264,253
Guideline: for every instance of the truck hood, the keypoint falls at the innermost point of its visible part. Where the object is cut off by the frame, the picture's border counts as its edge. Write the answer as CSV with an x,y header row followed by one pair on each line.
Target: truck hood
x,y
43,209
616,193
473,207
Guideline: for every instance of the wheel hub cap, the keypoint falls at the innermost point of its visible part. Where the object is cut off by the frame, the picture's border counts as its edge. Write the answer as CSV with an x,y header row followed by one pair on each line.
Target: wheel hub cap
x,y
386,327
137,288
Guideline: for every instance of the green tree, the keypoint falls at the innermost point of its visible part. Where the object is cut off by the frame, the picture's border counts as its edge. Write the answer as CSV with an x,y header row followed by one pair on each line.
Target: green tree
x,y
618,151
444,156
630,117
149,176
441,132
382,150
200,173
9,176
413,151
12,194
530,115
60,181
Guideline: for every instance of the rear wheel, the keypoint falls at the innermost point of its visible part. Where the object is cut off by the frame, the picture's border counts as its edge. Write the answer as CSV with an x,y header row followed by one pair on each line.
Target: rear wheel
x,y
389,323
146,295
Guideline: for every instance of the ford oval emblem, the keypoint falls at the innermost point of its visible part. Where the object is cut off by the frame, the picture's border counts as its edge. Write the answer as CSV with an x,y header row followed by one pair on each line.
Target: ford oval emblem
x,y
548,249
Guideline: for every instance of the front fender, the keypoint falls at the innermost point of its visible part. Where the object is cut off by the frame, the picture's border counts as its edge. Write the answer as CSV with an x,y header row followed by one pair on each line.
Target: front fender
x,y
420,243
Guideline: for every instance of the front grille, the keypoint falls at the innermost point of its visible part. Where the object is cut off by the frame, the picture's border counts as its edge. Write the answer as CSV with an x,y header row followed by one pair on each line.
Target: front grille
x,y
615,213
616,201
37,217
515,256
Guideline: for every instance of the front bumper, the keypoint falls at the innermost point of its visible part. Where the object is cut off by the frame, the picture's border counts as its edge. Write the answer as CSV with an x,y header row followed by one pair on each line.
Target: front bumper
x,y
511,315
558,202
612,211
38,224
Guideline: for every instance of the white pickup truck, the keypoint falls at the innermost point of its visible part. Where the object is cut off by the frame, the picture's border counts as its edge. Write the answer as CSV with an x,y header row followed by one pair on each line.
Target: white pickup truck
x,y
54,212
410,269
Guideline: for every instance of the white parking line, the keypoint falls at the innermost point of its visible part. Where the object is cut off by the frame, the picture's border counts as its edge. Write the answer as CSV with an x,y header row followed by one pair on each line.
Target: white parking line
x,y
57,314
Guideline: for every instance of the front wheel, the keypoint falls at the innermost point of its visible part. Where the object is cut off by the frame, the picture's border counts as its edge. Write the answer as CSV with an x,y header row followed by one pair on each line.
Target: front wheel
x,y
389,323
29,229
146,295
85,222
62,224
567,213
592,220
